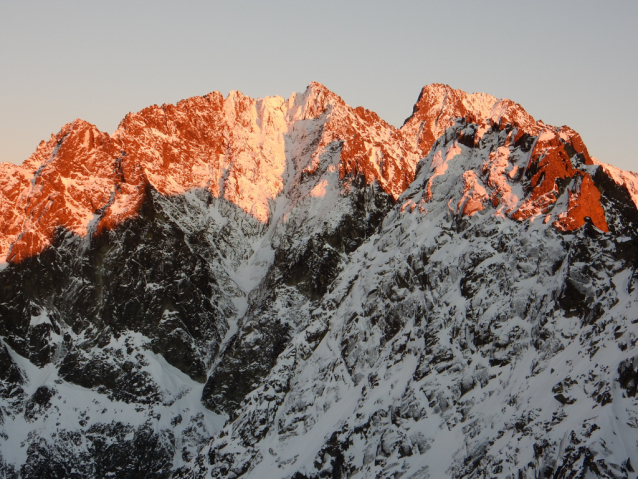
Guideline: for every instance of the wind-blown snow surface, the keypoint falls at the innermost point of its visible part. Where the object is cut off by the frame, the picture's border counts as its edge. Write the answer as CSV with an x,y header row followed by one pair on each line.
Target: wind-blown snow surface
x,y
346,312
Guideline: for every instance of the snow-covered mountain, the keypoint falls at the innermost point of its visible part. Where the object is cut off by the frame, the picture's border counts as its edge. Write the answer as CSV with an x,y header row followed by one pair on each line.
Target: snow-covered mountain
x,y
294,288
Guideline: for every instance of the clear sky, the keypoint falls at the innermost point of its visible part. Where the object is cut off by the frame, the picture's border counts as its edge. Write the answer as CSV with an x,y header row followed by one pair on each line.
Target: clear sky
x,y
565,62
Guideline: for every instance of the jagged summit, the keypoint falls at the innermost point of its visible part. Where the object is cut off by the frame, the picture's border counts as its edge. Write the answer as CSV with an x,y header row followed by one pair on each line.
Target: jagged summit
x,y
438,105
244,150
233,147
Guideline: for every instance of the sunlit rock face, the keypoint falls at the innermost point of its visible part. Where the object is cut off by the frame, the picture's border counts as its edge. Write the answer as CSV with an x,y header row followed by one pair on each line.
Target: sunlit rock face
x,y
231,287
236,148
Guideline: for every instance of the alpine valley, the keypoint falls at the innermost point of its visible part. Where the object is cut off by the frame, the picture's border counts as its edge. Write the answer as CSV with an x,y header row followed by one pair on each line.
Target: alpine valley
x,y
271,288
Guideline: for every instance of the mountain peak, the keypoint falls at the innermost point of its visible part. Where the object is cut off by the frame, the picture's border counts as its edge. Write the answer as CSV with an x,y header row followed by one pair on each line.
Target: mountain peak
x,y
246,151
439,104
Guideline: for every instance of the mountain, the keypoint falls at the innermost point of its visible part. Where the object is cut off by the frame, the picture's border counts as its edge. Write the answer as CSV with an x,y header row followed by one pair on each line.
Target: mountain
x,y
230,287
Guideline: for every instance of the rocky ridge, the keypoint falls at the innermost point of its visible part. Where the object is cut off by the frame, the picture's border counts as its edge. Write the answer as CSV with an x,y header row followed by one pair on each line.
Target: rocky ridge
x,y
295,288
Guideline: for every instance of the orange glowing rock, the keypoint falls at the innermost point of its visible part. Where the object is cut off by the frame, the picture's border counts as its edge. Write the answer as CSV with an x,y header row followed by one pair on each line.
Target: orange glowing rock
x,y
474,194
583,204
87,181
549,171
439,105
551,165
243,150
548,163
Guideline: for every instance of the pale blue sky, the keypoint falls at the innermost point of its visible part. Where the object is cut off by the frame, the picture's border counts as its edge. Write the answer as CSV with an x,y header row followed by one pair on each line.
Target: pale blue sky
x,y
566,62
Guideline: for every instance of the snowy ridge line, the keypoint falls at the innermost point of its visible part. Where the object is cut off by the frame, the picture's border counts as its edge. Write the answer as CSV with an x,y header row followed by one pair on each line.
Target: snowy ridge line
x,y
238,148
